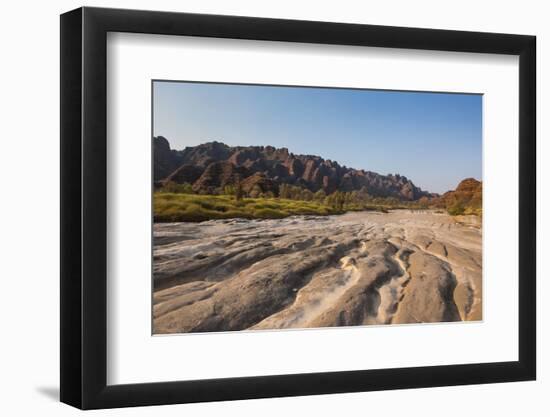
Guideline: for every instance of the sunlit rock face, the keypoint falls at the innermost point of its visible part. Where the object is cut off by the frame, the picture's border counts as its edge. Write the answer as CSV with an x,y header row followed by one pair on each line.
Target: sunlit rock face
x,y
212,165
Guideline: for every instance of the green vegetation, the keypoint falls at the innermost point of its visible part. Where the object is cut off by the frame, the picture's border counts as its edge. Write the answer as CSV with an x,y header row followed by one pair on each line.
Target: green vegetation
x,y
178,207
177,202
456,209
476,211
459,207
172,187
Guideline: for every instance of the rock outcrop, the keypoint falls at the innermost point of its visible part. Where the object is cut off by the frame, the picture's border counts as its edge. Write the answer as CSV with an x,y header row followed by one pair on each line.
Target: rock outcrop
x,y
165,160
259,183
268,167
185,174
301,272
467,195
219,174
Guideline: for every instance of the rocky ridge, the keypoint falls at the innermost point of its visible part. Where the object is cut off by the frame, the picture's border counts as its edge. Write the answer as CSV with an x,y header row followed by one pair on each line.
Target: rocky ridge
x,y
213,165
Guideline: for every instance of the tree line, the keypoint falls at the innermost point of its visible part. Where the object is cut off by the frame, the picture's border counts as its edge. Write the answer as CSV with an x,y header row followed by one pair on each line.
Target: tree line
x,y
338,199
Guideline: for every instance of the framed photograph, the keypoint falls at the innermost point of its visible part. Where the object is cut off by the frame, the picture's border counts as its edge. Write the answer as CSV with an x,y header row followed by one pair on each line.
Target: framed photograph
x,y
256,208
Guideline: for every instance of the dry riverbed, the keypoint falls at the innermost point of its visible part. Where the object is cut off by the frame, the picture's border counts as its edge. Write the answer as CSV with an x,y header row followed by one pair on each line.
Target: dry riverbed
x,y
359,268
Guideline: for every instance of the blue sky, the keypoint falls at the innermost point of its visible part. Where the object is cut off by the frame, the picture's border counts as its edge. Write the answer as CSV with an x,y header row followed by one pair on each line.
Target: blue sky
x,y
434,139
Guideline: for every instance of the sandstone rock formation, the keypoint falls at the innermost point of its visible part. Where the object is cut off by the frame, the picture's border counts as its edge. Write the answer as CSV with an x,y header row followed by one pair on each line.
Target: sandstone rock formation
x,y
165,160
185,174
218,175
469,191
467,196
355,269
219,165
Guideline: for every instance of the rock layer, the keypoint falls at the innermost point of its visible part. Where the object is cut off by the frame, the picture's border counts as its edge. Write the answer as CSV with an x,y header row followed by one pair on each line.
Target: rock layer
x,y
300,272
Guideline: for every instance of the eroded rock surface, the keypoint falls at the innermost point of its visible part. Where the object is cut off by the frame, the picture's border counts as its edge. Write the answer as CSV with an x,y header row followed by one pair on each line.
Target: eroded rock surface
x,y
354,269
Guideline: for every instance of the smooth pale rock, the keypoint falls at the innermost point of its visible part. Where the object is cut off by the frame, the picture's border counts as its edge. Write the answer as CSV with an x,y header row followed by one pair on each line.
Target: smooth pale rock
x,y
355,269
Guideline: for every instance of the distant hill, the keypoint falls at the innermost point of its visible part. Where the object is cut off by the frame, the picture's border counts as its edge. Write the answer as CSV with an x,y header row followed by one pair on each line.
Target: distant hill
x,y
211,166
465,199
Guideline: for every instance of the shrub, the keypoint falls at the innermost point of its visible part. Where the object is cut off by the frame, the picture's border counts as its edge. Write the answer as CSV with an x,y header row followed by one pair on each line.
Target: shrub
x,y
229,190
456,209
267,213
177,207
172,187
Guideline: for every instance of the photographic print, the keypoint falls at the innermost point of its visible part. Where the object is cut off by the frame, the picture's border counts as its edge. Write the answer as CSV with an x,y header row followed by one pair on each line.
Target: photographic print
x,y
285,207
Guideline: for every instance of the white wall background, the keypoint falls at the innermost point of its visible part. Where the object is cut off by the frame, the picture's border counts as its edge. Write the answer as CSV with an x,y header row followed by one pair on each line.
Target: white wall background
x,y
29,225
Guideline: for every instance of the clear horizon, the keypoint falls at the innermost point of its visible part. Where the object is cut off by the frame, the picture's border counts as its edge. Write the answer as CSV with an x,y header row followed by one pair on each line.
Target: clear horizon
x,y
434,139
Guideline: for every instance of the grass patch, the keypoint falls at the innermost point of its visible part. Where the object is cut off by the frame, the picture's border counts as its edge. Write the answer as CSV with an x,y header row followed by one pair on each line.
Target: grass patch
x,y
269,213
177,207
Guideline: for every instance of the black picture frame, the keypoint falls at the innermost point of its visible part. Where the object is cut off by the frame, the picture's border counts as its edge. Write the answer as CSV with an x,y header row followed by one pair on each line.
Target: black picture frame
x,y
84,207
